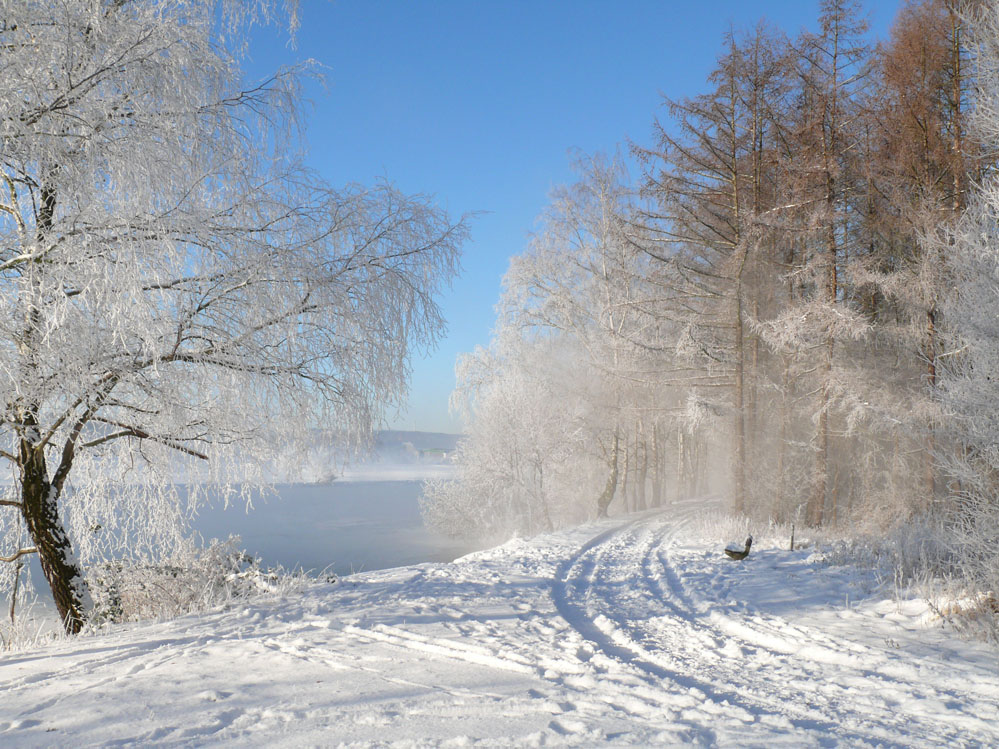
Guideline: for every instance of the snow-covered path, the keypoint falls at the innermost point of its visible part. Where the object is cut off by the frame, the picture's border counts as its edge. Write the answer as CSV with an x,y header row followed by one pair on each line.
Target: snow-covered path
x,y
623,632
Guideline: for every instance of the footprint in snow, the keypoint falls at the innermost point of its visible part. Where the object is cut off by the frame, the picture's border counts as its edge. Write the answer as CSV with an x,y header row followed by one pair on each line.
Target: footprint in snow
x,y
567,727
17,724
213,695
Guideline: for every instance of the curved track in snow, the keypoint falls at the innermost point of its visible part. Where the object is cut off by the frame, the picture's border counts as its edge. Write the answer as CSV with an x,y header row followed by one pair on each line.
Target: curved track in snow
x,y
622,632
623,592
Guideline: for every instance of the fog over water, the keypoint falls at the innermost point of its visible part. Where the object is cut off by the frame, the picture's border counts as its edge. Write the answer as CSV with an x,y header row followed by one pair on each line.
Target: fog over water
x,y
342,527
346,525
367,518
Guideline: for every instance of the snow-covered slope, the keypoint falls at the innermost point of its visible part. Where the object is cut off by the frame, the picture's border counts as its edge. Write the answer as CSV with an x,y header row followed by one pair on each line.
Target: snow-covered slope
x,y
622,632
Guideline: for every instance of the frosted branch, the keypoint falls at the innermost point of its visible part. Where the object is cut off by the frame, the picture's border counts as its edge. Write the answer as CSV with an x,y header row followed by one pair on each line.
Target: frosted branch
x,y
18,554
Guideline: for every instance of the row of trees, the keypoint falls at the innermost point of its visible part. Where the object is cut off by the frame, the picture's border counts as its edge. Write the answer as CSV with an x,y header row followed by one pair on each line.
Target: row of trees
x,y
778,310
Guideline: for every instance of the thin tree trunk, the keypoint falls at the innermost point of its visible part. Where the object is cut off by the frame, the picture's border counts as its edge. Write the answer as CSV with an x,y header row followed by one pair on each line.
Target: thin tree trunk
x,y
929,466
694,470
641,467
603,502
657,465
545,513
817,501
13,595
681,465
782,436
625,470
739,505
752,409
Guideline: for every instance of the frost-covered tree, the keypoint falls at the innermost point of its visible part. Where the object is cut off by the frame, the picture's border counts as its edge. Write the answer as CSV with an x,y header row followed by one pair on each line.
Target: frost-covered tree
x,y
707,180
582,280
523,462
969,380
173,284
584,383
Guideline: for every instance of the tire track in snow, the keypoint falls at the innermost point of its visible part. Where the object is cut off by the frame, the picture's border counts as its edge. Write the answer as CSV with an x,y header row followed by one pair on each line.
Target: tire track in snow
x,y
523,650
684,645
803,655
116,656
522,654
575,581
801,697
335,660
742,670
474,654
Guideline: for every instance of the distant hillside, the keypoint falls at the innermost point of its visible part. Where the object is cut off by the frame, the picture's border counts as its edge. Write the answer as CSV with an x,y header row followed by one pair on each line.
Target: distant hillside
x,y
394,455
406,447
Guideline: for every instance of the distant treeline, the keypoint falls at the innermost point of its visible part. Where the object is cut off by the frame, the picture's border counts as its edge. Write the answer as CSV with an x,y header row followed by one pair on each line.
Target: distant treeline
x,y
772,311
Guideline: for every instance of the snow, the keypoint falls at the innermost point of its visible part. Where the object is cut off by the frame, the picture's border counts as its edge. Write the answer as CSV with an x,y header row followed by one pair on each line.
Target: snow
x,y
630,631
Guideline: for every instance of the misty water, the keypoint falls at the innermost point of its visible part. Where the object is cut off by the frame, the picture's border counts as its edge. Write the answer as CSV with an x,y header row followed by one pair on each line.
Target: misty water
x,y
339,527
366,519
346,526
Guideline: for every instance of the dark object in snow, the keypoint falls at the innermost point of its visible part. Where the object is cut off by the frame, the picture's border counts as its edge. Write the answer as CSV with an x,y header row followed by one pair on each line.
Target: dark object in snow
x,y
735,552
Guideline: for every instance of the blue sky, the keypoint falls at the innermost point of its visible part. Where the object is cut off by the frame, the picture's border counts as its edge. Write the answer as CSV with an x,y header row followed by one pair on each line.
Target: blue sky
x,y
481,103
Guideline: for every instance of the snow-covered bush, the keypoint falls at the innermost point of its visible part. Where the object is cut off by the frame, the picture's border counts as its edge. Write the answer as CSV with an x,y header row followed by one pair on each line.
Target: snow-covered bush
x,y
201,580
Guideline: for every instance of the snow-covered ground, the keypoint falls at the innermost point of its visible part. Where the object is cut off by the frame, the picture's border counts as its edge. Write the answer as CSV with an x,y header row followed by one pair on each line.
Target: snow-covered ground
x,y
628,631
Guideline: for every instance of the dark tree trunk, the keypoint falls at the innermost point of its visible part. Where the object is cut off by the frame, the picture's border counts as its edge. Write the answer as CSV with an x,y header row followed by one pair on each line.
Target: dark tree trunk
x,y
40,508
39,495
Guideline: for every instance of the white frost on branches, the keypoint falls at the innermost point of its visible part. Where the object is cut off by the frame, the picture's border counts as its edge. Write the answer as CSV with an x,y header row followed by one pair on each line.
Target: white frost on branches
x,y
970,381
174,285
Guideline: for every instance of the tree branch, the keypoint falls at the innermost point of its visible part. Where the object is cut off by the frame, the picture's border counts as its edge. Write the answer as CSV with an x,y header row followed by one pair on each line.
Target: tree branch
x,y
138,433
18,554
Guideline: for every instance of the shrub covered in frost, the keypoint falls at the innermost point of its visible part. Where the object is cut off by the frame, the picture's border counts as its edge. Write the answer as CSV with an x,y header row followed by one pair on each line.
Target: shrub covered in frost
x,y
132,591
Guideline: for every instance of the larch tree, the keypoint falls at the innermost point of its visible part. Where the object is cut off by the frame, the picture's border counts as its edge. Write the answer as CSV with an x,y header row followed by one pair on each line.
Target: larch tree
x,y
787,295
831,69
706,177
173,283
920,163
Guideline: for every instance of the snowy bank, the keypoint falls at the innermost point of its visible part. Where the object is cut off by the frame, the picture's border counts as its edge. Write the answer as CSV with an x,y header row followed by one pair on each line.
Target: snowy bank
x,y
624,632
